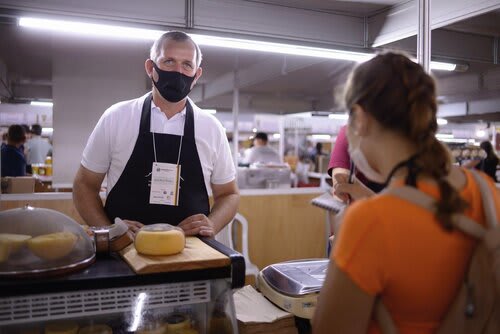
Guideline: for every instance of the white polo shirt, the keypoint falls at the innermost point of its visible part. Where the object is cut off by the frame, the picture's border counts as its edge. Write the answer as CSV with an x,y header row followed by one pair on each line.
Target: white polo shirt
x,y
110,145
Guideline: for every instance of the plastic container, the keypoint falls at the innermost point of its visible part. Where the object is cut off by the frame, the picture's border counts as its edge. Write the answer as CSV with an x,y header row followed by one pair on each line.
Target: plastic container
x,y
42,242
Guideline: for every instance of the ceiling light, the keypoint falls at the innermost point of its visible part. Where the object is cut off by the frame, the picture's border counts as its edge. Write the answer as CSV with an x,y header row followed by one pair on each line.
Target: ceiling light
x,y
321,137
41,103
212,111
276,136
444,136
442,121
480,133
254,130
338,116
105,30
440,66
121,32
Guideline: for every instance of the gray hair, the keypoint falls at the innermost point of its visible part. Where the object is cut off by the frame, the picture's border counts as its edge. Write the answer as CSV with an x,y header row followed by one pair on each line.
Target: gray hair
x,y
177,36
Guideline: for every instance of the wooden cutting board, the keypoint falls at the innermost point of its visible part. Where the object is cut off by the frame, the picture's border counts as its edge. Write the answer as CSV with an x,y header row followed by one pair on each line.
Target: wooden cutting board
x,y
196,255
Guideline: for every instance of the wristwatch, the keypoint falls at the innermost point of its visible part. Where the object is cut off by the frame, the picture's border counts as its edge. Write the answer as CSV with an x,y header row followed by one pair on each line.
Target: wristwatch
x,y
111,238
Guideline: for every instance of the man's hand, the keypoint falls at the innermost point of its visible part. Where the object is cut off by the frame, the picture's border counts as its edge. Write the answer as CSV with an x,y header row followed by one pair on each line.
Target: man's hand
x,y
198,224
133,227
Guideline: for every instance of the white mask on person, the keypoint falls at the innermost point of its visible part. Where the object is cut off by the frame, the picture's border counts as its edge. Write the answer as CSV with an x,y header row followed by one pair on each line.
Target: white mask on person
x,y
360,161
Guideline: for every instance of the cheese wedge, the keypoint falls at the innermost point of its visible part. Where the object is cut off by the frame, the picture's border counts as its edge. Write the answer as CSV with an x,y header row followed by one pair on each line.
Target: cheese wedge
x,y
53,246
61,328
159,242
14,241
96,329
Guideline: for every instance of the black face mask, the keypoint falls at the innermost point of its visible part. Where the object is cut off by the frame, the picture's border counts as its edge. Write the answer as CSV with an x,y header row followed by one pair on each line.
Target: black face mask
x,y
172,85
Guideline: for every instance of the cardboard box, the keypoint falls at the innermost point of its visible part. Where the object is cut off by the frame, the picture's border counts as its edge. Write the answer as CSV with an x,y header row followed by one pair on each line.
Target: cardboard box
x,y
18,185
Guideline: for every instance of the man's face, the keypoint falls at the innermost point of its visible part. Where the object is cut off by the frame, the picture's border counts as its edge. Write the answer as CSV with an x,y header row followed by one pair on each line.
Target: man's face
x,y
178,57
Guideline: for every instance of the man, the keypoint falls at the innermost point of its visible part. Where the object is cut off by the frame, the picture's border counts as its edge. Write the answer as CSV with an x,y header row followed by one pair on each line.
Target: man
x,y
161,153
37,148
13,160
261,152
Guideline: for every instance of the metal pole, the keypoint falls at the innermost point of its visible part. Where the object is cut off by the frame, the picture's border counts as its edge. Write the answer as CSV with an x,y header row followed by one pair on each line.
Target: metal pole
x,y
424,34
236,112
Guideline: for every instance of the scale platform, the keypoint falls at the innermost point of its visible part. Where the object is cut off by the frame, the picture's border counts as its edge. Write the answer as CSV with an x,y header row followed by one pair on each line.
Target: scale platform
x,y
294,285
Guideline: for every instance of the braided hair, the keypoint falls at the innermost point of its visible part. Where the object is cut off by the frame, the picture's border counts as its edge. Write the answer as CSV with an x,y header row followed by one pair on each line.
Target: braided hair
x,y
401,96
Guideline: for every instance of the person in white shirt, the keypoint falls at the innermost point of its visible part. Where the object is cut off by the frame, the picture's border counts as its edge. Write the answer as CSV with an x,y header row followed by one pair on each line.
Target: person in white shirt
x,y
261,152
162,155
37,148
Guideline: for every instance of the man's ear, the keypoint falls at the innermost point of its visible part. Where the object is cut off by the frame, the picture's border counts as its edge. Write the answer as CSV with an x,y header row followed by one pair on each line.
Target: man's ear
x,y
148,66
198,74
360,120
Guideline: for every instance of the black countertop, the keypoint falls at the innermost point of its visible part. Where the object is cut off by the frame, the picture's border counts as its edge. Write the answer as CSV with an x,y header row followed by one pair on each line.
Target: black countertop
x,y
110,271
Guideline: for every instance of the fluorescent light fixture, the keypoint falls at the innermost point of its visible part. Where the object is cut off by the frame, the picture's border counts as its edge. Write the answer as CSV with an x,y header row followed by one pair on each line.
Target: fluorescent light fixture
x,y
453,140
137,312
442,121
41,103
276,136
254,130
212,111
47,131
82,28
321,137
440,66
121,32
339,116
444,136
105,30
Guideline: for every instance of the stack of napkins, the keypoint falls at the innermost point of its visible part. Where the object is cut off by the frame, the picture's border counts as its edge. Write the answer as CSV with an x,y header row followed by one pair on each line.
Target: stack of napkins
x,y
257,315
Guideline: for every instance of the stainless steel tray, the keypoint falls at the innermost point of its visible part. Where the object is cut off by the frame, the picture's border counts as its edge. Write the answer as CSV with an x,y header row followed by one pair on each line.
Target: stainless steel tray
x,y
296,278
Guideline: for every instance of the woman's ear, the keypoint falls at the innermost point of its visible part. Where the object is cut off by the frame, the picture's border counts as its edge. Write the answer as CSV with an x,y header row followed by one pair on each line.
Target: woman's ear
x,y
360,120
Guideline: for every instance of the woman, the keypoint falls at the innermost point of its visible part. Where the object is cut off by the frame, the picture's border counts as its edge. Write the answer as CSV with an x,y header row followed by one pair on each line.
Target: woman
x,y
490,162
387,247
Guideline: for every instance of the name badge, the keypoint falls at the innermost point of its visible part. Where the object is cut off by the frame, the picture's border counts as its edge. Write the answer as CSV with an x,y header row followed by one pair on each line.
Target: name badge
x,y
165,184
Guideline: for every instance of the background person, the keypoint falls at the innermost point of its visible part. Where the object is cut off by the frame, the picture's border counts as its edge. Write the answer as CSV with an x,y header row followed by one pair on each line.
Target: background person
x,y
13,160
389,248
37,148
487,164
160,136
261,152
339,168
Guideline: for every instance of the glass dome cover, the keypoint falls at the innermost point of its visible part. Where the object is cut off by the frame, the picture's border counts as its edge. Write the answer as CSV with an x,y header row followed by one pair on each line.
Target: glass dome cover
x,y
42,242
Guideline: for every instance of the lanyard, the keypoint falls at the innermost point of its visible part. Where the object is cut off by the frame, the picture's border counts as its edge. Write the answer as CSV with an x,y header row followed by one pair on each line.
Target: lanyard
x,y
178,155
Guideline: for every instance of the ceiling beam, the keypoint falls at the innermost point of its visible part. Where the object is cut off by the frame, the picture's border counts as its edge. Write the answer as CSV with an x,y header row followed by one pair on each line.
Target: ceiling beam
x,y
401,21
265,70
467,87
230,18
449,45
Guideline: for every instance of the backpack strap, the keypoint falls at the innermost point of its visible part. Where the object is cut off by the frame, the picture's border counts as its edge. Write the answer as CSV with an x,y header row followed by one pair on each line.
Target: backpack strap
x,y
490,212
417,197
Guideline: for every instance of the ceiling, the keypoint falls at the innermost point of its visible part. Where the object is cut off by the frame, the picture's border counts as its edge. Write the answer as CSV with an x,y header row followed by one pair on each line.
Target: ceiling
x,y
295,84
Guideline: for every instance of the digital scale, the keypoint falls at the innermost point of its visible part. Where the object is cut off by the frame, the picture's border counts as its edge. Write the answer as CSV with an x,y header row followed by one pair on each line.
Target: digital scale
x,y
294,285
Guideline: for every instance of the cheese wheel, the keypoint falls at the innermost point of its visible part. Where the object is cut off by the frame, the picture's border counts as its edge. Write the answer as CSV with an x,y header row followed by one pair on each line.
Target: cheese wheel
x,y
14,241
96,329
53,246
177,321
159,242
61,328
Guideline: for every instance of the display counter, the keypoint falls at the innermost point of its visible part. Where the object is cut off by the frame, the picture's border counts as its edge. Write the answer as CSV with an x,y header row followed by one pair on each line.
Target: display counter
x,y
283,225
111,294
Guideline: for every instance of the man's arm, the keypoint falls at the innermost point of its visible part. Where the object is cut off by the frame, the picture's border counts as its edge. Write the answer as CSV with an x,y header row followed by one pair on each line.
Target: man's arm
x,y
226,199
88,203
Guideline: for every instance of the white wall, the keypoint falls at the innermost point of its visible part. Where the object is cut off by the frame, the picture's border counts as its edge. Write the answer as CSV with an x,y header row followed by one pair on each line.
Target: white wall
x,y
85,84
25,114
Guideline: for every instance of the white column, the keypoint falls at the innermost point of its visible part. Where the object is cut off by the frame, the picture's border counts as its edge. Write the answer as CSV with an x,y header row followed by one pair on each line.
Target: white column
x,y
236,111
424,34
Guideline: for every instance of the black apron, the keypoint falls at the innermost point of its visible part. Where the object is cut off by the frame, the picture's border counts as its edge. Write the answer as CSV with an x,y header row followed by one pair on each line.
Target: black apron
x,y
129,198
